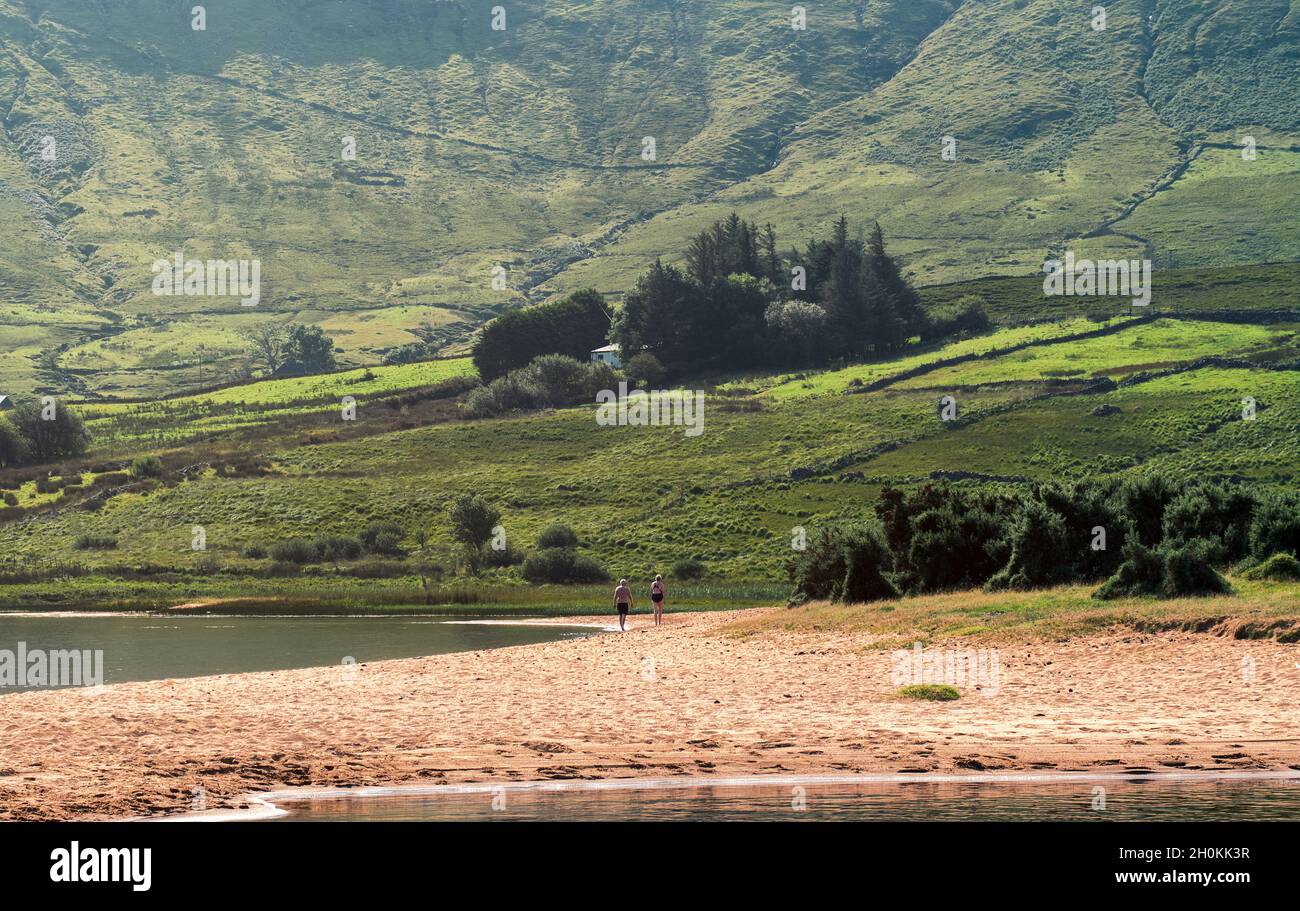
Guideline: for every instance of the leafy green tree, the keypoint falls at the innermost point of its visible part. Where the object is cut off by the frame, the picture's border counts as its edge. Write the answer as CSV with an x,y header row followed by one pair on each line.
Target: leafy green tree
x,y
800,329
13,448
645,370
472,521
49,432
572,326
309,348
658,314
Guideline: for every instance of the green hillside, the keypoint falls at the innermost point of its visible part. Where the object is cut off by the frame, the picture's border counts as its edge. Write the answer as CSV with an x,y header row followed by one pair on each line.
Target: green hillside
x,y
522,149
271,461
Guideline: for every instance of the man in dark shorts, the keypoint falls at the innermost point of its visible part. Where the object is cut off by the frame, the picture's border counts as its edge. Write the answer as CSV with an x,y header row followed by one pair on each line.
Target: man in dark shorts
x,y
623,602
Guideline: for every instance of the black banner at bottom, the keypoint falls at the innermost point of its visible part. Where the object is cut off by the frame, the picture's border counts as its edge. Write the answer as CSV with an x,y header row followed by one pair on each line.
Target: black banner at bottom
x,y
362,860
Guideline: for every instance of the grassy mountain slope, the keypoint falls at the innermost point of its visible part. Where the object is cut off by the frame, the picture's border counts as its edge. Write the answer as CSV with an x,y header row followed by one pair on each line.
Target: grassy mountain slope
x,y
522,148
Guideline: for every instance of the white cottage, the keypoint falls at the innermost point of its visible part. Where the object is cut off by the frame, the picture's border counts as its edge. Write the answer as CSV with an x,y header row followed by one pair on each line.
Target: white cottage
x,y
610,354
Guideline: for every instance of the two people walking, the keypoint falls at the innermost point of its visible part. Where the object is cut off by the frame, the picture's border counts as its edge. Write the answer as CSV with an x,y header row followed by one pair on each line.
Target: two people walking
x,y
623,601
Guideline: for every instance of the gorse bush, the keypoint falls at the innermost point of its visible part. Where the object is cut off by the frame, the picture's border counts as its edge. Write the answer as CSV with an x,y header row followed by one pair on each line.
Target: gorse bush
x,y
502,557
315,550
1281,567
549,381
93,542
1275,525
557,535
384,538
942,537
1140,536
1218,515
843,563
1165,572
562,564
146,467
688,570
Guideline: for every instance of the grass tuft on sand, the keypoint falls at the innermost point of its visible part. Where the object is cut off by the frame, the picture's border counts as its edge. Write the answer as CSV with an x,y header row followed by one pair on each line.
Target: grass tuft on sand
x,y
931,692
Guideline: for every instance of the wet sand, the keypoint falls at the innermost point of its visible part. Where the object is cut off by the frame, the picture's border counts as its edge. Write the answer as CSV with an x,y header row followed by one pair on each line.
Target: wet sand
x,y
688,698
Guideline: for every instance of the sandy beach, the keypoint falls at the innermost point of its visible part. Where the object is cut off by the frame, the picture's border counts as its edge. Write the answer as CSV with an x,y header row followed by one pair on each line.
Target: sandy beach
x,y
689,698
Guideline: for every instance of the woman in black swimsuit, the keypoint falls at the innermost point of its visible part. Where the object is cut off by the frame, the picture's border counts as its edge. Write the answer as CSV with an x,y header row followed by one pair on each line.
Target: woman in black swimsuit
x,y
657,596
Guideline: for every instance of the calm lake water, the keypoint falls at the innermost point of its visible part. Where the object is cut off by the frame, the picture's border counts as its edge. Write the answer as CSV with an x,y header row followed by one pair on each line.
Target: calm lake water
x,y
151,647
1125,801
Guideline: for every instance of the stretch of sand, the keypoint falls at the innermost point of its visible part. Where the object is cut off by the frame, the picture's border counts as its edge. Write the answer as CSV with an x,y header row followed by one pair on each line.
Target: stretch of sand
x,y
684,699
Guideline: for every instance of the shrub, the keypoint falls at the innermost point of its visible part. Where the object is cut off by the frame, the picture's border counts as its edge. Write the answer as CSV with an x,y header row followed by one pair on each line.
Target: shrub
x,y
1143,501
1041,551
549,381
13,448
932,692
472,522
689,570
644,368
1188,571
963,318
1277,568
1275,526
1219,515
334,547
562,564
507,556
254,552
294,550
10,499
146,467
1051,538
408,354
1169,572
959,544
387,544
557,535
843,563
383,537
91,542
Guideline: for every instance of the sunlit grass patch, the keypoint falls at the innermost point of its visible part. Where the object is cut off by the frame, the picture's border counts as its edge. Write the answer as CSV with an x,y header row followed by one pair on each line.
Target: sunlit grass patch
x,y
930,692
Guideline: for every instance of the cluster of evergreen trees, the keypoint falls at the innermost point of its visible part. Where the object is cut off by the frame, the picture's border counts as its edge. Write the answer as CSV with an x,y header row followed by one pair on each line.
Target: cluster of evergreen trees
x,y
740,303
1139,536
737,302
